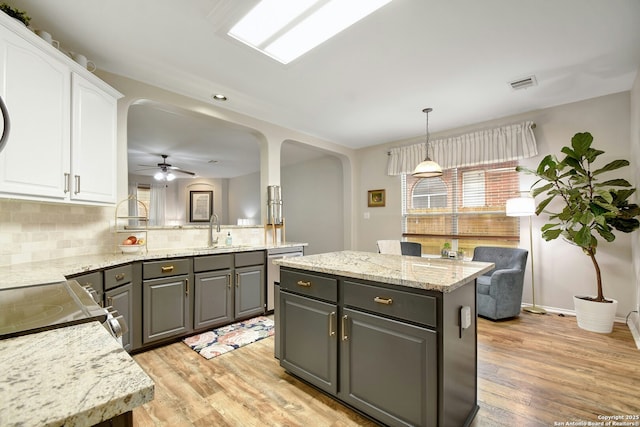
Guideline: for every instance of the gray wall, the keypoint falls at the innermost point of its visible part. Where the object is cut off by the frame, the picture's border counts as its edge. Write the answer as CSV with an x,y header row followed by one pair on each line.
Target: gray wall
x,y
312,198
562,270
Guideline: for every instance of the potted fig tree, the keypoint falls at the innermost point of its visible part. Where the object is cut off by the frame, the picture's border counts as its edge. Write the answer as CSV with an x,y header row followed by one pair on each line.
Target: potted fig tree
x,y
589,211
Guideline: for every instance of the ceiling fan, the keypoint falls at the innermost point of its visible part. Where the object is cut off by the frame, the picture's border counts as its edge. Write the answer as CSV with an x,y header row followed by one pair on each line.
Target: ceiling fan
x,y
166,170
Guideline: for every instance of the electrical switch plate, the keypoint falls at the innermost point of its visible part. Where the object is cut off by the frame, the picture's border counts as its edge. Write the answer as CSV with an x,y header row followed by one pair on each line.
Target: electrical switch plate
x,y
465,317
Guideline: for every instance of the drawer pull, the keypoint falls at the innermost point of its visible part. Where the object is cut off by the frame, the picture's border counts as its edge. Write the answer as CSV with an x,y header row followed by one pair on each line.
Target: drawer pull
x,y
344,328
332,330
109,301
119,276
385,301
167,269
304,284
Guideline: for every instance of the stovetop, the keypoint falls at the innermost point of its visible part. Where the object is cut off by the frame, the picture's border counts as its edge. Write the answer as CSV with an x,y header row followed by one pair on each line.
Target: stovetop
x,y
38,308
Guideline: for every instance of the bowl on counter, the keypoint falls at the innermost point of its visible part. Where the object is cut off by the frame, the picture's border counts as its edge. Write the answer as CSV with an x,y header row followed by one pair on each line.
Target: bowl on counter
x,y
130,249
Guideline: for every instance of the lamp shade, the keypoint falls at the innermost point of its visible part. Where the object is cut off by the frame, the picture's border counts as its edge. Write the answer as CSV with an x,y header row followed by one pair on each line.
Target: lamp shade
x,y
521,206
427,169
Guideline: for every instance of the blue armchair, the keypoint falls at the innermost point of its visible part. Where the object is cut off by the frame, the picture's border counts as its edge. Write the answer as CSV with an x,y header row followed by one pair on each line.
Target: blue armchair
x,y
499,291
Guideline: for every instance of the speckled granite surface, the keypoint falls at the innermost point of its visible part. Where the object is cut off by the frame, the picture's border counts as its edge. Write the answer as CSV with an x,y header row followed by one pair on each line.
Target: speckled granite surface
x,y
74,376
442,275
55,270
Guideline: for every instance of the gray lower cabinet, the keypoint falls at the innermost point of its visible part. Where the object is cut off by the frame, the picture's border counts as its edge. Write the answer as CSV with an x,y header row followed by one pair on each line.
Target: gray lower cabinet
x,y
397,354
166,298
249,291
309,342
389,369
121,298
213,297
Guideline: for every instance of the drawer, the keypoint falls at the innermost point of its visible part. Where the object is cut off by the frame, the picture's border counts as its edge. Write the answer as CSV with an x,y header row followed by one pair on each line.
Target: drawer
x,y
91,279
321,287
166,268
117,276
415,308
212,262
244,259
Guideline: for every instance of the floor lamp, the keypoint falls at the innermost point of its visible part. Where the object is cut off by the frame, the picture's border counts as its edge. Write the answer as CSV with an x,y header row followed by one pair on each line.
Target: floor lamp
x,y
526,206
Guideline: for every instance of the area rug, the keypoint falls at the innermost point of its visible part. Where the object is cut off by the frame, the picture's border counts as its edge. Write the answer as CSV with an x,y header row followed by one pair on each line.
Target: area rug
x,y
228,338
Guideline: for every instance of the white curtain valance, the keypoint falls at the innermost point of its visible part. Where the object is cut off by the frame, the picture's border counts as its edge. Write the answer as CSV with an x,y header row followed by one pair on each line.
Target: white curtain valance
x,y
511,142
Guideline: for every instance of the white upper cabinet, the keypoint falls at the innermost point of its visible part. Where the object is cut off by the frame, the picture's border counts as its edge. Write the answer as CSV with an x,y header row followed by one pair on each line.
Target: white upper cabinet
x,y
62,142
93,142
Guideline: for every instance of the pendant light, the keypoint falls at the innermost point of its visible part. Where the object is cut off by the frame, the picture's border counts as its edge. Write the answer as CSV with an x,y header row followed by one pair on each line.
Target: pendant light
x,y
427,168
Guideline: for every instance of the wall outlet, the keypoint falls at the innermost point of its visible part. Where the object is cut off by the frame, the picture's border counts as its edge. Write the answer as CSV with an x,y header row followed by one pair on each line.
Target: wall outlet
x,y
465,317
367,215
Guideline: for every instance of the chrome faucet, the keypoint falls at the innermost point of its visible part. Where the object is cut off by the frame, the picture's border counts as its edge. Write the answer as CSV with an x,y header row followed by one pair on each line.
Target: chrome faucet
x,y
211,222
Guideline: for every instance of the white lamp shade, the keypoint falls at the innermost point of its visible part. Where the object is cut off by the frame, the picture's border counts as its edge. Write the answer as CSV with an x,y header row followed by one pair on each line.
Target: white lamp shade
x,y
427,169
521,206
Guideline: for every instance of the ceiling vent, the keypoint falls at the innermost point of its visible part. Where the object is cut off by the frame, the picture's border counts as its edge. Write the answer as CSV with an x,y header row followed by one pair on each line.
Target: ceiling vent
x,y
523,83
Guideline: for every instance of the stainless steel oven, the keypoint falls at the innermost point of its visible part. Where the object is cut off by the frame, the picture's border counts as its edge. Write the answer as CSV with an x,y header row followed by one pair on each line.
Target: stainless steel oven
x,y
32,309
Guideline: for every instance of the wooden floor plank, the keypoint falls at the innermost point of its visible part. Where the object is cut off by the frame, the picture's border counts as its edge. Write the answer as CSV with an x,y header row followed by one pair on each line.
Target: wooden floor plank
x,y
533,371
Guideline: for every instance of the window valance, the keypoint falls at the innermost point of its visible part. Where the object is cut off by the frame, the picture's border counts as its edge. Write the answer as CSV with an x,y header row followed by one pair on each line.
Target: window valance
x,y
506,143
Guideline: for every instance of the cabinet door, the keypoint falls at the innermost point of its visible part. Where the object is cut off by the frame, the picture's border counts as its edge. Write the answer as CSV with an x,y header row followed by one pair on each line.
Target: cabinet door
x,y
389,369
308,340
93,143
35,87
249,294
121,299
166,309
213,299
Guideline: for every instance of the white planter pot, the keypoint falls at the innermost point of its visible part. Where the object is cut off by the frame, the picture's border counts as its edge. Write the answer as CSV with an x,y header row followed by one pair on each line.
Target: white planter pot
x,y
595,316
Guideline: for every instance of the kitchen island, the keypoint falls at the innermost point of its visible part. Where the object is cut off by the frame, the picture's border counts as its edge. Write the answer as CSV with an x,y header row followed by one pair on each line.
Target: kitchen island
x,y
392,336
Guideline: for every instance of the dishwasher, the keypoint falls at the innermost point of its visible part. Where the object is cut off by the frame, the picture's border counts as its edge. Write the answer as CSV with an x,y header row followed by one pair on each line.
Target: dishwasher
x,y
273,285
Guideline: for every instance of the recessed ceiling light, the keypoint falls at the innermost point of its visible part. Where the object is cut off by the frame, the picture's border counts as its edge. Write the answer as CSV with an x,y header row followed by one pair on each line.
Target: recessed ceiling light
x,y
286,29
218,97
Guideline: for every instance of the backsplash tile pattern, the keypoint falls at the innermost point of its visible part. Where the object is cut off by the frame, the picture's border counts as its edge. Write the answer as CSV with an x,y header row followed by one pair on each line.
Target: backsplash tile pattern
x,y
37,231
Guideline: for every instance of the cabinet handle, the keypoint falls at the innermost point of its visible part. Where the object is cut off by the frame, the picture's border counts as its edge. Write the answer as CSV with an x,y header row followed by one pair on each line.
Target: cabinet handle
x,y
385,301
187,283
119,276
167,269
304,284
344,328
237,280
332,330
229,281
77,184
109,301
66,182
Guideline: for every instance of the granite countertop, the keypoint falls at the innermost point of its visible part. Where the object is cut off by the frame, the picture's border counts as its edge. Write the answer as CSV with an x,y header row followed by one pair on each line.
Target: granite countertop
x,y
55,270
442,275
73,376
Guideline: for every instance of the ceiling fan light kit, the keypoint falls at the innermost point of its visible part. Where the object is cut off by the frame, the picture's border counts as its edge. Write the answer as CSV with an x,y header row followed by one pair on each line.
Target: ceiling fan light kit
x,y
166,170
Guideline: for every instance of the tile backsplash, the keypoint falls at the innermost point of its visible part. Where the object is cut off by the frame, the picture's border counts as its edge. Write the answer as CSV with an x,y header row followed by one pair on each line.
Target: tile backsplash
x,y
37,231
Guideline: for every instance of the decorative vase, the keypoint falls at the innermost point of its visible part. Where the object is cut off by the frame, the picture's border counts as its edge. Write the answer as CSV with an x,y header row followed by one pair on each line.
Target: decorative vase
x,y
595,316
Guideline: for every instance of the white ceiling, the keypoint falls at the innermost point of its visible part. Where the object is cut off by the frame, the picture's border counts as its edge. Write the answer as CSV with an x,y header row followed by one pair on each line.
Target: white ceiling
x,y
369,84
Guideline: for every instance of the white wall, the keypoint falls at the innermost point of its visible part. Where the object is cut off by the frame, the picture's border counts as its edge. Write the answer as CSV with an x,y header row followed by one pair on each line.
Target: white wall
x,y
635,164
561,269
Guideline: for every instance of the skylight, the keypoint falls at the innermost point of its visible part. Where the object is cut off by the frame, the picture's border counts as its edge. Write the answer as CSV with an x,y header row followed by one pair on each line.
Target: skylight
x,y
286,29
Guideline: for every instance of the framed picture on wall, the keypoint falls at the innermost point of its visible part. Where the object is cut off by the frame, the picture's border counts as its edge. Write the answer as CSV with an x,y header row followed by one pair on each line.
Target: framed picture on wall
x,y
376,198
200,206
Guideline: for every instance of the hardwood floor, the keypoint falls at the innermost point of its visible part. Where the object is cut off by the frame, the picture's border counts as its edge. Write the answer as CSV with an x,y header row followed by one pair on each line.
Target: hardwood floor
x,y
532,371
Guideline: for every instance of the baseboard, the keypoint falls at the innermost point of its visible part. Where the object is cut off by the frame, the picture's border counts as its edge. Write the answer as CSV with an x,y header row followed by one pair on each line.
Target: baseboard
x,y
634,326
633,322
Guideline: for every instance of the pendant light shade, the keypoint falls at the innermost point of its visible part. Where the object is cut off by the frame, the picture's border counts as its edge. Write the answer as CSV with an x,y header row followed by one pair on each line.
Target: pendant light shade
x,y
427,168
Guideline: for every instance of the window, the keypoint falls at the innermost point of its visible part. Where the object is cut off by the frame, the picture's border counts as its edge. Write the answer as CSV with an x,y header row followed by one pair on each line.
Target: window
x,y
465,207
